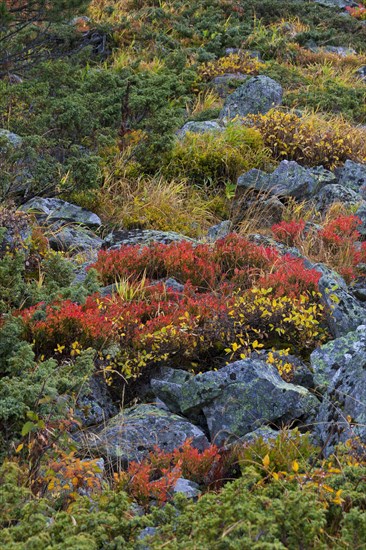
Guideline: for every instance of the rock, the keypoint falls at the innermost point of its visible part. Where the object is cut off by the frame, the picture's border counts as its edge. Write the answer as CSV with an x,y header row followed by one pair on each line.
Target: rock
x,y
288,180
351,175
9,139
336,3
226,83
167,384
242,397
361,213
271,208
141,543
51,210
266,433
340,353
336,193
126,237
219,231
345,312
189,488
96,405
199,128
73,239
258,94
134,432
361,72
339,50
340,366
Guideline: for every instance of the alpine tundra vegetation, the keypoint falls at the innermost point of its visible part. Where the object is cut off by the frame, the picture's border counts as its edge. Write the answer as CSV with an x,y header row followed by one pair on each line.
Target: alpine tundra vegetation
x,y
182,274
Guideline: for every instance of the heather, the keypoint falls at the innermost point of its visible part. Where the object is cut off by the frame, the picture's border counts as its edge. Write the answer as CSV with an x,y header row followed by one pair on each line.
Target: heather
x,y
182,274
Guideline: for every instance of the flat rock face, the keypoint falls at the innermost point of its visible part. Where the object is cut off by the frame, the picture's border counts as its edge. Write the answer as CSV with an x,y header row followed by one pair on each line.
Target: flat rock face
x,y
288,180
257,95
74,239
56,209
199,128
134,432
240,398
346,313
340,366
142,237
336,193
9,139
352,175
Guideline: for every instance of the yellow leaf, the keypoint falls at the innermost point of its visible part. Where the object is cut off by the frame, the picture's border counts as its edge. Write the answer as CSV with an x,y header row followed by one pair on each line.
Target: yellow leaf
x,y
295,466
266,461
19,448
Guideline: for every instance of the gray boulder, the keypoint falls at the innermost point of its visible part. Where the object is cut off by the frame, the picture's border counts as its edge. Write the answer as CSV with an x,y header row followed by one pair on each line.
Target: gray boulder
x,y
242,397
134,432
219,231
95,406
226,83
125,237
340,4
361,213
256,95
188,488
199,128
336,193
288,180
9,139
167,383
351,175
341,367
344,312
72,238
51,210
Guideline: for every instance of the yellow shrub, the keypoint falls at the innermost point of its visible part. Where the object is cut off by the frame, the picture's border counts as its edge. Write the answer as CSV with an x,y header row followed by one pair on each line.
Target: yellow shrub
x,y
233,63
310,140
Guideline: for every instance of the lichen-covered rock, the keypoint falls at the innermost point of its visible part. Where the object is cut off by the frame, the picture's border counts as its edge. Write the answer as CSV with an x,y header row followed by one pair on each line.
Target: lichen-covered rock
x,y
199,127
9,139
361,213
336,193
95,406
340,4
288,180
142,237
242,397
352,175
226,83
134,432
51,210
72,238
219,231
340,366
188,488
344,312
167,385
340,353
256,95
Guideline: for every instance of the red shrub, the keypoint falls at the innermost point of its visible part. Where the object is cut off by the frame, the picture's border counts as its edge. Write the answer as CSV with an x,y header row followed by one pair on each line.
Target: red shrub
x,y
341,230
288,232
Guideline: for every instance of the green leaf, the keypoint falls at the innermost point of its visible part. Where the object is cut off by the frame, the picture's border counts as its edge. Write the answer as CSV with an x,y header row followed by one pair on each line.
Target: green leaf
x,y
28,427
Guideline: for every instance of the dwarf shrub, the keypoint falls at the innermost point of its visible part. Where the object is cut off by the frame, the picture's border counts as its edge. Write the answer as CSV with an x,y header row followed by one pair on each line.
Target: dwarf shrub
x,y
217,156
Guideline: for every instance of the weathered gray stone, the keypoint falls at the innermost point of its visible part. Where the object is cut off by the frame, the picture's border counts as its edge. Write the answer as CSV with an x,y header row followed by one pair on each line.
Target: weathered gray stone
x,y
9,139
288,180
226,83
219,231
51,210
167,385
340,367
336,193
72,238
96,405
199,127
242,397
256,95
134,432
142,237
345,312
361,213
351,175
340,4
188,488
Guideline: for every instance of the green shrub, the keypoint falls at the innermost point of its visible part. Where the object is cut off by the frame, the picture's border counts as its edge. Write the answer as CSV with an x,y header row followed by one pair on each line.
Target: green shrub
x,y
217,157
